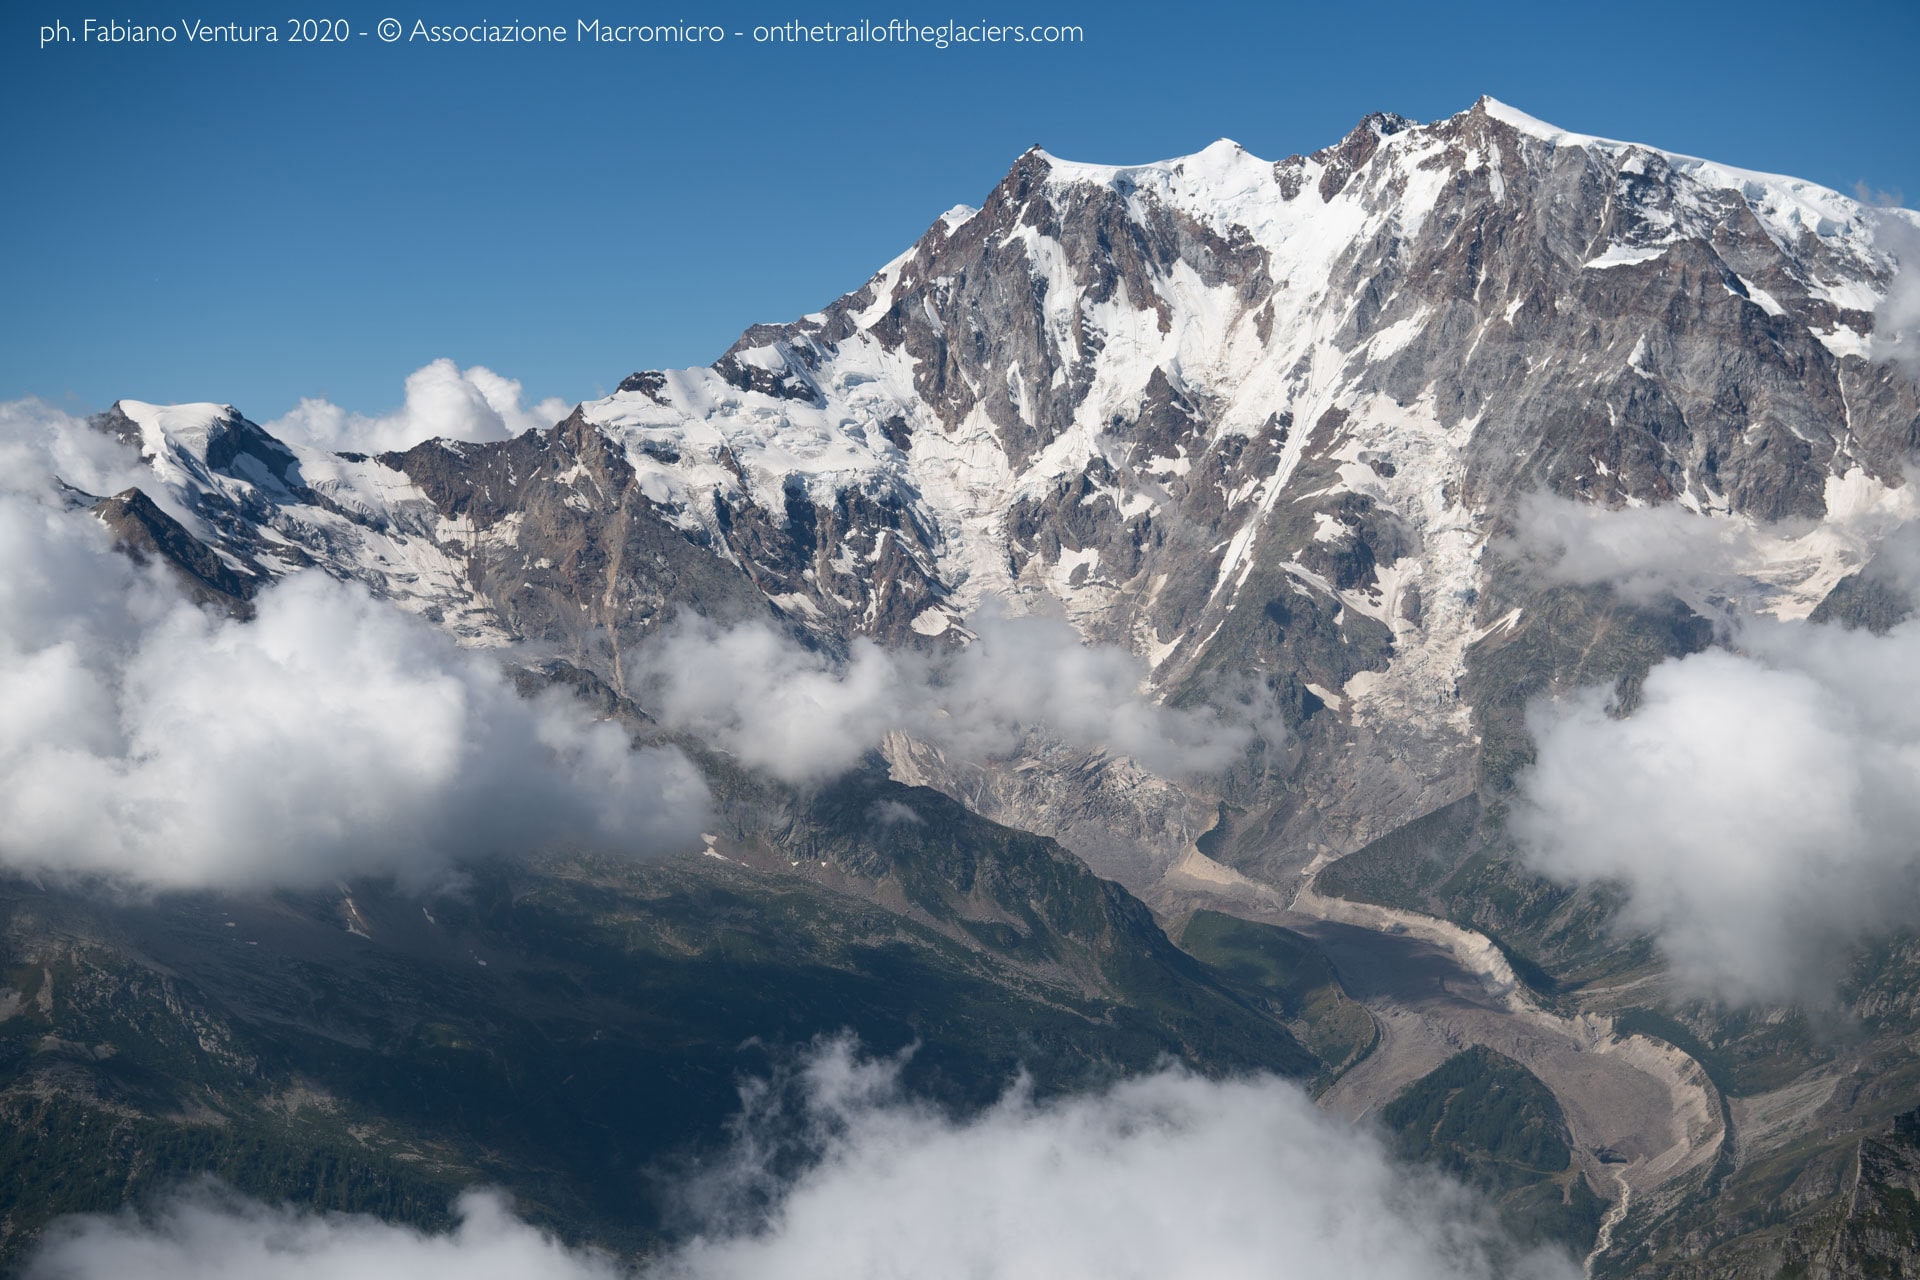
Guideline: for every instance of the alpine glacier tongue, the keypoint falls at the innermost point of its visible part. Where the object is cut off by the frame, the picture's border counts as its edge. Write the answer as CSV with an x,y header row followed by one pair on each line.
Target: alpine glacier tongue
x,y
1251,420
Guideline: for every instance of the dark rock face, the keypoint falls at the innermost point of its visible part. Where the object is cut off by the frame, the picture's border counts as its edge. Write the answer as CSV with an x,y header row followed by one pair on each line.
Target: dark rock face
x,y
148,535
1851,1212
1880,596
1881,1233
1864,600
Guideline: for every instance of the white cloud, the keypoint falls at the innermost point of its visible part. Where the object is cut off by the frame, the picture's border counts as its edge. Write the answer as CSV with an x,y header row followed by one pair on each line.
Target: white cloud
x,y
1643,552
39,442
1163,1176
1160,1178
1896,321
1760,807
795,713
150,742
443,402
1723,564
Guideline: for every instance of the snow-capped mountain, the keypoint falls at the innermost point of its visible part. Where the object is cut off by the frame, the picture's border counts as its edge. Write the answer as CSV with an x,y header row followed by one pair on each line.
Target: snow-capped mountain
x,y
1238,416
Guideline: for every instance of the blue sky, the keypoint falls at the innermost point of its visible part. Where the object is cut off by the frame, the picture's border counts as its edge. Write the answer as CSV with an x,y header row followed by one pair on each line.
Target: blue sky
x,y
259,223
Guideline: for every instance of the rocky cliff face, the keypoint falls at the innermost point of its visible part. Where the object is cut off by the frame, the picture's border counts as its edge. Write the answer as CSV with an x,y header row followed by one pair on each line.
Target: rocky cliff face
x,y
1247,419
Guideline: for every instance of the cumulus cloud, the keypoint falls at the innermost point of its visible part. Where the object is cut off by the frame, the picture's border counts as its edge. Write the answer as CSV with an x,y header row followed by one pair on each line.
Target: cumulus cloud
x,y
1159,1177
148,741
1643,552
1162,1176
778,706
1721,564
1896,321
1896,563
443,401
39,443
1760,807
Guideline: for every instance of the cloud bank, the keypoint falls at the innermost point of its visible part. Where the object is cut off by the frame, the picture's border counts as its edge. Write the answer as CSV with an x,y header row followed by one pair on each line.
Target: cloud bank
x,y
207,1235
1159,1178
41,445
1761,807
443,401
775,705
149,742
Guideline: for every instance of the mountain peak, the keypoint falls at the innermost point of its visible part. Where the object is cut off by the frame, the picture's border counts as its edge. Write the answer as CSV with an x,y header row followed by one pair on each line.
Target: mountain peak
x,y
1534,127
191,426
1221,168
1386,123
176,417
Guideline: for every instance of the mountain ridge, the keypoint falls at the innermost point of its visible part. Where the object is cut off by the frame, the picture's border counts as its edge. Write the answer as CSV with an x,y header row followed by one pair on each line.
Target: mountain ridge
x,y
1221,412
